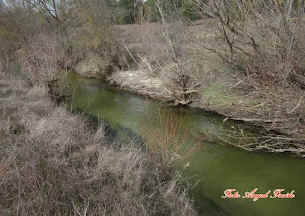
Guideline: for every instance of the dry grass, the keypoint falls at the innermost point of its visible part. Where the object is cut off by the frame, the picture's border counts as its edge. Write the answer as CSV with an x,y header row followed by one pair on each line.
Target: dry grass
x,y
140,82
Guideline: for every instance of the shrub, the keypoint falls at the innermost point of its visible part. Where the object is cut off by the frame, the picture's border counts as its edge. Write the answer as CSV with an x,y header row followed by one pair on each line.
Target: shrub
x,y
263,39
38,58
17,26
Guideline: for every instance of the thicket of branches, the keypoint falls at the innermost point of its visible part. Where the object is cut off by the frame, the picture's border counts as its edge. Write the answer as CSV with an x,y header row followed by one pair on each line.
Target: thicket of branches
x,y
263,39
43,34
17,26
130,11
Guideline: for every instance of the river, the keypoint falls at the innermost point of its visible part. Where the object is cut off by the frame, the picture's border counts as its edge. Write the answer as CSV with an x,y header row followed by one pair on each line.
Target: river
x,y
208,160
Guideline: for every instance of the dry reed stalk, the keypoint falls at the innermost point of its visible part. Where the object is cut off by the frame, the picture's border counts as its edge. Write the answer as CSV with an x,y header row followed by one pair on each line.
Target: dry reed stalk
x,y
170,138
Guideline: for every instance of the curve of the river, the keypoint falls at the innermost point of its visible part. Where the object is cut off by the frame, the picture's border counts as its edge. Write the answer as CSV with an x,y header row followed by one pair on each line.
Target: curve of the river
x,y
213,165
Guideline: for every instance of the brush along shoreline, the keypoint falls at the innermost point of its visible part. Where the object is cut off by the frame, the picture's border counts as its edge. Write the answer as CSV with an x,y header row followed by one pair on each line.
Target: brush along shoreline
x,y
142,84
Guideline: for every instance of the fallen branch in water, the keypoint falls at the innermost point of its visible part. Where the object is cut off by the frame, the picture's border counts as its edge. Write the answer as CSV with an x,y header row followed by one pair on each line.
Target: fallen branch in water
x,y
297,106
260,120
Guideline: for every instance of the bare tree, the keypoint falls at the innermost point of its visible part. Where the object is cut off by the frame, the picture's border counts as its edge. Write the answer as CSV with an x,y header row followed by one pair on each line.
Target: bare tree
x,y
46,7
182,85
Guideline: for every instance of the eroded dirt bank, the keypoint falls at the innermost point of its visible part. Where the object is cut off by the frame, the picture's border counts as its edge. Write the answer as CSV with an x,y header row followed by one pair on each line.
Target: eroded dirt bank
x,y
140,82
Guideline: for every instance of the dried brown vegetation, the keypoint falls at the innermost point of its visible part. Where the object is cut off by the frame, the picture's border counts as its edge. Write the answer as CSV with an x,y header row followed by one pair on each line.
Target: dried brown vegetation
x,y
38,58
263,39
54,163
171,140
51,161
162,52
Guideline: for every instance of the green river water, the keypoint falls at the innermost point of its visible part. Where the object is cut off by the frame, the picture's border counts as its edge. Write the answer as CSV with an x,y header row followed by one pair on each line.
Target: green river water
x,y
214,165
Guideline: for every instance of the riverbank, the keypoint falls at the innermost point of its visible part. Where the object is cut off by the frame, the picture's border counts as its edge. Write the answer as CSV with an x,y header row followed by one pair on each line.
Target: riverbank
x,y
54,162
253,108
278,109
200,141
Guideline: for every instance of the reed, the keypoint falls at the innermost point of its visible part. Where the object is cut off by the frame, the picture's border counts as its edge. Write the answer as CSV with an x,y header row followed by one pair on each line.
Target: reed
x,y
171,138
